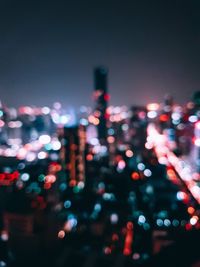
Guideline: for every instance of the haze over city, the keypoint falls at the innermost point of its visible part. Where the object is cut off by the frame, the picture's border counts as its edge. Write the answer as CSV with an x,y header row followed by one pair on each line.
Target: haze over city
x,y
50,49
99,133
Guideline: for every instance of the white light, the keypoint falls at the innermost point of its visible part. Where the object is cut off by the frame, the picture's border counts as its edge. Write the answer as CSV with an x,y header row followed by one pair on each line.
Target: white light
x,y
104,149
153,106
114,218
45,110
56,118
31,156
2,264
197,142
125,127
194,220
4,236
193,118
44,139
176,116
81,185
167,222
141,219
57,105
152,114
180,195
163,160
147,173
10,152
121,164
94,141
25,177
83,122
56,145
14,124
64,119
141,166
21,153
42,155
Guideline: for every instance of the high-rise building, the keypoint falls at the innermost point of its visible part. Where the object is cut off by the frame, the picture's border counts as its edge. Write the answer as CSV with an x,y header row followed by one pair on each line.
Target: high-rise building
x,y
75,140
196,98
101,98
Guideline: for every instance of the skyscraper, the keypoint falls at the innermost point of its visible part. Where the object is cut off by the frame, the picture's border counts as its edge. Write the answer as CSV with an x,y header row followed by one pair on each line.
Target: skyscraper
x,y
75,139
101,98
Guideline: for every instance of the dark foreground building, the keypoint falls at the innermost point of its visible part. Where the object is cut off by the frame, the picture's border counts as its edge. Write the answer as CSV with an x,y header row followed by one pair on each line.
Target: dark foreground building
x,y
101,97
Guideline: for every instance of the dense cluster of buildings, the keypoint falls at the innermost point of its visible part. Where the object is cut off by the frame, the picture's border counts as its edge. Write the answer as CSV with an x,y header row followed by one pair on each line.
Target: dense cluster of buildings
x,y
109,185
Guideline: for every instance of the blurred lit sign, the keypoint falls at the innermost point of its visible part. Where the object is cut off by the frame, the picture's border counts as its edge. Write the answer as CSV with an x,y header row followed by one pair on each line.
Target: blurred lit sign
x,y
153,106
8,178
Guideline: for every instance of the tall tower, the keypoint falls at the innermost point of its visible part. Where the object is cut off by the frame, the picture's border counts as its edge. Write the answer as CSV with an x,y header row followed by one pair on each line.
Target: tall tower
x,y
75,140
101,99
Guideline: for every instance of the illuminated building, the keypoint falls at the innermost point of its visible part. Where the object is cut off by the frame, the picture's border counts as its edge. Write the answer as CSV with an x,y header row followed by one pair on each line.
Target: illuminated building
x,y
75,140
101,97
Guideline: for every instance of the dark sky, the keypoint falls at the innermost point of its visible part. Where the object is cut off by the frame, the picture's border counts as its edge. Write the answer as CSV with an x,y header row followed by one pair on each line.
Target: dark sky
x,y
48,50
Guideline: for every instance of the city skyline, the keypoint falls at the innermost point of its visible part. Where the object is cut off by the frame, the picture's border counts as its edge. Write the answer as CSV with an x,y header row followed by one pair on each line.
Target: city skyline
x,y
48,52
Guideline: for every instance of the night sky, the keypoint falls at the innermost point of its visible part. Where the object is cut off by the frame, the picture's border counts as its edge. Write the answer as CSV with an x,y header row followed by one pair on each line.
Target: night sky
x,y
48,50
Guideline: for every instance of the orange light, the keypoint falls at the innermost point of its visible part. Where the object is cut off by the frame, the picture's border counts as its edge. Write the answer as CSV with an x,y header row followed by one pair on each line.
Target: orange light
x,y
191,210
111,139
153,106
61,234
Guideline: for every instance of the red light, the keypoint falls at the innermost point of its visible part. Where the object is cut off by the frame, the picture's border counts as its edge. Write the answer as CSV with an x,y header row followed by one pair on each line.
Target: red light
x,y
2,176
72,183
9,177
106,97
128,239
135,176
47,186
106,116
115,237
127,251
89,157
188,227
129,225
164,117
